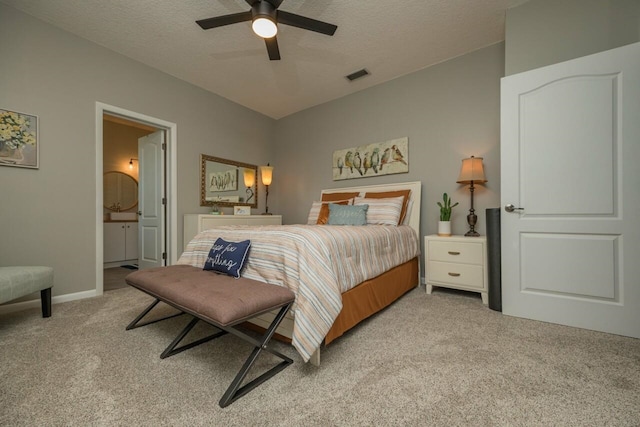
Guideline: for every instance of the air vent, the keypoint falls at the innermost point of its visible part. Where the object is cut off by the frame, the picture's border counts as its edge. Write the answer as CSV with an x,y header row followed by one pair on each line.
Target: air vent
x,y
358,74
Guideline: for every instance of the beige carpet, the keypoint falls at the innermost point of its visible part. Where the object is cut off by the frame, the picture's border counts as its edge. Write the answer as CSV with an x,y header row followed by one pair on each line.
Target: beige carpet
x,y
440,360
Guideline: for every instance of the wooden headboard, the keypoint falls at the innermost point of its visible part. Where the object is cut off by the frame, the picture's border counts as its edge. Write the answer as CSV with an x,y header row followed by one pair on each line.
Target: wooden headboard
x,y
415,187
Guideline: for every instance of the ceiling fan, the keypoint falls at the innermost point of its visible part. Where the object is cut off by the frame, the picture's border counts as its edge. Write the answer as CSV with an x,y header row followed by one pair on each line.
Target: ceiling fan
x,y
265,18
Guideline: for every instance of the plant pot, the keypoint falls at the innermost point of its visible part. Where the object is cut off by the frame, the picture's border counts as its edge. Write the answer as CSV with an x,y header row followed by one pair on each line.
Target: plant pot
x,y
444,228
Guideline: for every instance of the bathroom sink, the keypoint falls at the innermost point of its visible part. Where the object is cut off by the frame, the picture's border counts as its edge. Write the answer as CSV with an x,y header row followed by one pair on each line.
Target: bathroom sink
x,y
123,216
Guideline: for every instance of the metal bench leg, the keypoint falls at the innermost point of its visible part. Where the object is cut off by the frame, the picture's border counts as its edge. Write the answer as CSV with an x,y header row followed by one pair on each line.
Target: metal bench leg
x,y
235,391
171,350
134,324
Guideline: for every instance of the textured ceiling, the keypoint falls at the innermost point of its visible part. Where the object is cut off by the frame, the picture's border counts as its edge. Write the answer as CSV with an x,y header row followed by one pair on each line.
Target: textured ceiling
x,y
389,38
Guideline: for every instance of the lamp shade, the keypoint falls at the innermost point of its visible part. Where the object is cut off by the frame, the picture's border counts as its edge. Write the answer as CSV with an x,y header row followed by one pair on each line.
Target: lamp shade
x,y
249,177
472,171
267,174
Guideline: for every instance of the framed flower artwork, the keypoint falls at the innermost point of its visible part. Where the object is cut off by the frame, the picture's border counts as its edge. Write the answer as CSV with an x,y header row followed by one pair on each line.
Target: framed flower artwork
x,y
18,139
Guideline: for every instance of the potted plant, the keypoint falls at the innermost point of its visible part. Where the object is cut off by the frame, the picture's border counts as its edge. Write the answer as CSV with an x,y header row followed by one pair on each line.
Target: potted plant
x,y
444,225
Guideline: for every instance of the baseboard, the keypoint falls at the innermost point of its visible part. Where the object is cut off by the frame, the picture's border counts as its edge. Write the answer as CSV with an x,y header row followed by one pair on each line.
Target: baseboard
x,y
24,305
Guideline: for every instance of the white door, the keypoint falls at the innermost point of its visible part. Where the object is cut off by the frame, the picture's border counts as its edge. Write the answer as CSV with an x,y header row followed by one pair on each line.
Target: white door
x,y
151,213
570,156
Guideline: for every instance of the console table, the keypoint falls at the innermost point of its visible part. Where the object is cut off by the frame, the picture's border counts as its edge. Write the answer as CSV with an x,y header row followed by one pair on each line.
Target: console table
x,y
195,223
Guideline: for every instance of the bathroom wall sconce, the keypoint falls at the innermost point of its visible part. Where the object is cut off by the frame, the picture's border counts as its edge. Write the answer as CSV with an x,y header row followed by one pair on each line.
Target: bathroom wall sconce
x,y
131,163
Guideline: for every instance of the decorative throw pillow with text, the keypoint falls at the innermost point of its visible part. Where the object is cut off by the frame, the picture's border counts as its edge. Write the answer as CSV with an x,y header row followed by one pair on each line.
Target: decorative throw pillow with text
x,y
227,257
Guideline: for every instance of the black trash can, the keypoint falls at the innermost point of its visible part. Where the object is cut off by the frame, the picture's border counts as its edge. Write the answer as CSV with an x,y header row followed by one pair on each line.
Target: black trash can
x,y
493,259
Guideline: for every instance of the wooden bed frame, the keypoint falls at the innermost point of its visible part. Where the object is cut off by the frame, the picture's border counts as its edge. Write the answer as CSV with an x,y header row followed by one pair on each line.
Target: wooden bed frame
x,y
372,295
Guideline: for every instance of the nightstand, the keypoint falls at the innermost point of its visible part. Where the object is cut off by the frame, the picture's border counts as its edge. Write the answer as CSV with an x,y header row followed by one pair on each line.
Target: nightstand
x,y
457,262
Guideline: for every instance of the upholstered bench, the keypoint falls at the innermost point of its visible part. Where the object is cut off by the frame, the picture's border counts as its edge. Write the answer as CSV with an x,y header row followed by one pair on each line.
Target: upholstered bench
x,y
16,282
221,301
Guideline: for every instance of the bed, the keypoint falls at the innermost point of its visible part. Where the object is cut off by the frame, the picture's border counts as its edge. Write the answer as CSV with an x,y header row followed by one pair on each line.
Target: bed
x,y
337,281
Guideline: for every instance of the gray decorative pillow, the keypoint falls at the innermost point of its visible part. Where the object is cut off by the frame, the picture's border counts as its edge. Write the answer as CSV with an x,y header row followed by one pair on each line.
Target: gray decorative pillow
x,y
347,214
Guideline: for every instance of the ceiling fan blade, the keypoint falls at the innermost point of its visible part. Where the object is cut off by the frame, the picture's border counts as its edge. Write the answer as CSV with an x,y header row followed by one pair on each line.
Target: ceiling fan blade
x,y
220,21
272,48
305,23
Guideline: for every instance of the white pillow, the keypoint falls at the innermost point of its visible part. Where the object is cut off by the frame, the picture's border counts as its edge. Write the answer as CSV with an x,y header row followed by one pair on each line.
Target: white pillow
x,y
382,211
313,213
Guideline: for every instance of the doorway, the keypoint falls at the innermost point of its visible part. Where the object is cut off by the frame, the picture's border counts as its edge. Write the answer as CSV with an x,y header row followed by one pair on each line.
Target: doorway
x,y
143,124
121,185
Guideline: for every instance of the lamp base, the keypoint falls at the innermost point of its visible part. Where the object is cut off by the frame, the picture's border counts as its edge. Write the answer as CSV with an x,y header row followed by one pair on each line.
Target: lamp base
x,y
266,213
472,219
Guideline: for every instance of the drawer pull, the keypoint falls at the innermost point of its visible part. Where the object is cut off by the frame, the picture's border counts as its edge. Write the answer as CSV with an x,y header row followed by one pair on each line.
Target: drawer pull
x,y
454,253
454,274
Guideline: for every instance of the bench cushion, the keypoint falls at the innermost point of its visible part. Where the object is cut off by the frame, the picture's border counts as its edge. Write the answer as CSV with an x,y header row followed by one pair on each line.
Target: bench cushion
x,y
214,297
18,281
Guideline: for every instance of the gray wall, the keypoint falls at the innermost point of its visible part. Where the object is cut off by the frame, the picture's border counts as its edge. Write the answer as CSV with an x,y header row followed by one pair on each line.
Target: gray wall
x,y
47,216
544,32
449,111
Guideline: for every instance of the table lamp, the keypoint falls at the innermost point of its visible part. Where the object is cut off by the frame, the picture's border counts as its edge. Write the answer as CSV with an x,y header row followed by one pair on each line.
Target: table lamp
x,y
472,171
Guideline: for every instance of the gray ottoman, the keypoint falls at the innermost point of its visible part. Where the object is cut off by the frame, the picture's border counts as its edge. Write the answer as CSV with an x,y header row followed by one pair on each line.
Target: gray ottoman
x,y
16,282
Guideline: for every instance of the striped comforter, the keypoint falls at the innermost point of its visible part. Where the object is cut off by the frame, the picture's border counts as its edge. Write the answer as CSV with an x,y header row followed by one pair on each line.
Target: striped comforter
x,y
317,263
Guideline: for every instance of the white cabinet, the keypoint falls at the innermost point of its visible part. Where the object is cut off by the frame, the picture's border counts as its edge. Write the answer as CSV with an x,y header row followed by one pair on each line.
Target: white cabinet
x,y
195,223
120,241
457,262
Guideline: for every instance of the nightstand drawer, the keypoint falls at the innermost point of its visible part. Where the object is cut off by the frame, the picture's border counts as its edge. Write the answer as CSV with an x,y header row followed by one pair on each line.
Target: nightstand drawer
x,y
471,276
458,252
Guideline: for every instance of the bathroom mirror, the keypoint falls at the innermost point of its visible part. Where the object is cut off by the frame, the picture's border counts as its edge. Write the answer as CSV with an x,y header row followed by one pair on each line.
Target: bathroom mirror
x,y
120,191
223,182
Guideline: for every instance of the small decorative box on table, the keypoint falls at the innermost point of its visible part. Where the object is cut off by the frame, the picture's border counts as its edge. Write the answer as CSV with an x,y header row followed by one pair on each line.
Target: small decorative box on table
x,y
457,262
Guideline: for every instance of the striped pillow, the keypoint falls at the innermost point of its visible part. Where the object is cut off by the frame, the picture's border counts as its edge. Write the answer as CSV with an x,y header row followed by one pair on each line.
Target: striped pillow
x,y
382,211
387,194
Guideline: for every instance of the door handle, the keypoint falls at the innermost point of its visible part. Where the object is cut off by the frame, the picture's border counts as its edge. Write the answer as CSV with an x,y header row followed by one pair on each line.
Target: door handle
x,y
511,208
139,213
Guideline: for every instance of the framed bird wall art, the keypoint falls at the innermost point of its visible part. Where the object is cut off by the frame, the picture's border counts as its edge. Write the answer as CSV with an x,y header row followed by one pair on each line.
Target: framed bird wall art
x,y
380,158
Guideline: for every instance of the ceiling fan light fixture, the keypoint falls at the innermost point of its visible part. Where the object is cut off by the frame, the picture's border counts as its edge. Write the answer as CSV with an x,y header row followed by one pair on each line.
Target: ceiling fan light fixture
x,y
265,19
263,15
264,27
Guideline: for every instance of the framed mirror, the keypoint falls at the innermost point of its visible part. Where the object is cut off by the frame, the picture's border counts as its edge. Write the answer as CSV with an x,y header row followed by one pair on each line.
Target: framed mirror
x,y
120,191
224,182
